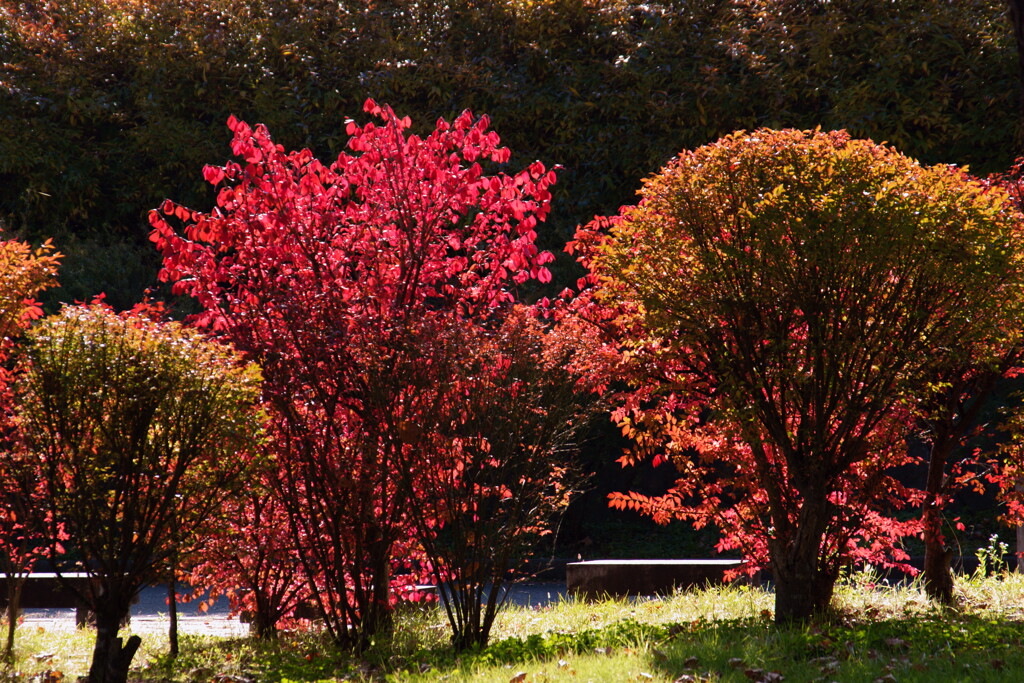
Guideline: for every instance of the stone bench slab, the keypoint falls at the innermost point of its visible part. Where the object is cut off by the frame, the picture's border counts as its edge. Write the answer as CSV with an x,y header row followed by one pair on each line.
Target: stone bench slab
x,y
44,590
595,579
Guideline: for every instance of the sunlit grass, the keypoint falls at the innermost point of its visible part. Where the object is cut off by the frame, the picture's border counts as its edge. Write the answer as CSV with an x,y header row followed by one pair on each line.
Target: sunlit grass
x,y
567,615
38,650
874,631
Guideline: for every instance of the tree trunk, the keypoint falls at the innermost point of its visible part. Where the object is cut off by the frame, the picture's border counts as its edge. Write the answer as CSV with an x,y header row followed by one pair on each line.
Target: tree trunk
x,y
263,626
801,592
1020,537
378,619
111,657
172,613
264,621
14,586
938,578
802,589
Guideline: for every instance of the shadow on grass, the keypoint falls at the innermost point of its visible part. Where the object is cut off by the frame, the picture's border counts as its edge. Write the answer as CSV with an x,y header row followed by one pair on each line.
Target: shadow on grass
x,y
944,645
941,645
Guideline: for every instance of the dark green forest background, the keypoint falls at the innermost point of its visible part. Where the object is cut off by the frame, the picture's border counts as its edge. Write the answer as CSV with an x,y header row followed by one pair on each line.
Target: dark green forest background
x,y
109,106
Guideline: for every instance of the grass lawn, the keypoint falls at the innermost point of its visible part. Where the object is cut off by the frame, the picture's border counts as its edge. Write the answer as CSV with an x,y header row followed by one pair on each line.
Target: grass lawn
x,y
875,633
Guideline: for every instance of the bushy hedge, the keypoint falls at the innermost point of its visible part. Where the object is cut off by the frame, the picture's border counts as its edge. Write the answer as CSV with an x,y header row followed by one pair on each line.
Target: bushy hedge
x,y
108,106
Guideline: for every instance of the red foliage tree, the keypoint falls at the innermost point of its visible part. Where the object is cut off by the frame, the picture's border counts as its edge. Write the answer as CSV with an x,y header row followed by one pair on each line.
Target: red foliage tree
x,y
953,415
496,455
253,561
1005,470
787,302
323,274
24,272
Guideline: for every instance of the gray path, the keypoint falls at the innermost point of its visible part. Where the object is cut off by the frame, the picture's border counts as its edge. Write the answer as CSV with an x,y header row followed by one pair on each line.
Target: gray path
x,y
149,615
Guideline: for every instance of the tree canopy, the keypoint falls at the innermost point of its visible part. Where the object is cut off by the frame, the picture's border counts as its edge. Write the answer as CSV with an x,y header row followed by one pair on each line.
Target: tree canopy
x,y
787,300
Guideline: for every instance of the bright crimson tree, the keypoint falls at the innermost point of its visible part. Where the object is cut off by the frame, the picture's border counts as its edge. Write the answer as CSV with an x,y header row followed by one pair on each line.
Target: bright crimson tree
x,y
787,301
324,274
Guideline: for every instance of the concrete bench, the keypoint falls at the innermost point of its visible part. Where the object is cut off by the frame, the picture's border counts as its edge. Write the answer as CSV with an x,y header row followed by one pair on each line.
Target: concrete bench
x,y
43,590
620,578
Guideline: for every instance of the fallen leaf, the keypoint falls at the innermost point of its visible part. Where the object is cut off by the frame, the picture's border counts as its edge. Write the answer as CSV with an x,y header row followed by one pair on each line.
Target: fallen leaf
x,y
896,643
826,664
691,663
518,678
736,662
644,676
754,674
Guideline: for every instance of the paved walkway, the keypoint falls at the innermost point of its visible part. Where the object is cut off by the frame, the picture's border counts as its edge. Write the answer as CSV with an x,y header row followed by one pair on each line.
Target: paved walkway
x,y
149,615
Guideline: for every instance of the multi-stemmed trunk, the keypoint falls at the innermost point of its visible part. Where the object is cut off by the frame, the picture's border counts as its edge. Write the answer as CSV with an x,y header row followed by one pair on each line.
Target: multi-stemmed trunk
x,y
803,582
377,618
801,590
264,617
112,656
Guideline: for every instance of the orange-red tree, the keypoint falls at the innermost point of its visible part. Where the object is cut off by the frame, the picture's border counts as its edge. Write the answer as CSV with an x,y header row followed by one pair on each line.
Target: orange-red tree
x,y
788,300
24,273
136,429
325,275
951,416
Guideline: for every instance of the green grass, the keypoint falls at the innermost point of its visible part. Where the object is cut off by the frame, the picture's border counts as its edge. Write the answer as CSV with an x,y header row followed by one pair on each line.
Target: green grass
x,y
874,632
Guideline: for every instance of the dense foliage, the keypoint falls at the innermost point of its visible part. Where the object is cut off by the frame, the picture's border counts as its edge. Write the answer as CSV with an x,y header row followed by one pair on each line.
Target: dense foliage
x,y
494,457
377,290
789,302
610,89
136,430
366,289
252,560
